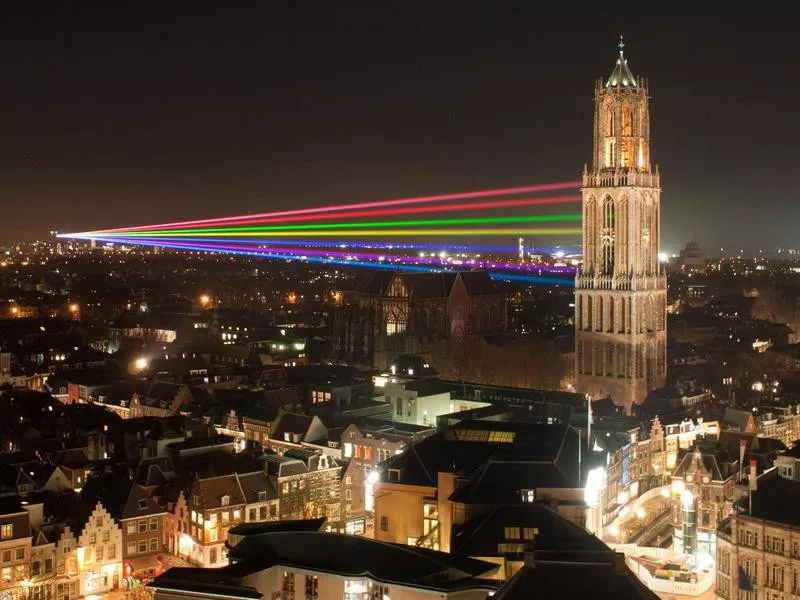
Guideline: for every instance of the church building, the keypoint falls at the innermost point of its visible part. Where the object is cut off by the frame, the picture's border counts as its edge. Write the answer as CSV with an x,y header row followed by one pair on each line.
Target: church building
x,y
620,295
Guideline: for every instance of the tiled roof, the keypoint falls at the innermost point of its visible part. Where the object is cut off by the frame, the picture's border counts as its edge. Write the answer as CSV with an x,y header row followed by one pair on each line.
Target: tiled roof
x,y
212,489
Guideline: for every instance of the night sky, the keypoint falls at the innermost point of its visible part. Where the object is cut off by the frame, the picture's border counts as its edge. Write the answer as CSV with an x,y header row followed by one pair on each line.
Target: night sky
x,y
137,113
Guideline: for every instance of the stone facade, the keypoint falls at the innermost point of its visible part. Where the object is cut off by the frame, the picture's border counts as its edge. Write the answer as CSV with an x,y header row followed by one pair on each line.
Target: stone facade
x,y
620,298
409,313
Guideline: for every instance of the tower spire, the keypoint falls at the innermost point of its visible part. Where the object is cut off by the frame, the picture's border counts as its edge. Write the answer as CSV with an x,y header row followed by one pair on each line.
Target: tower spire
x,y
621,75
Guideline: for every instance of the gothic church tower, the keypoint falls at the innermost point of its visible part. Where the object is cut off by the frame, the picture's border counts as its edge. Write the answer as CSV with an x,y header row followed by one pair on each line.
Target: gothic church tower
x,y
621,292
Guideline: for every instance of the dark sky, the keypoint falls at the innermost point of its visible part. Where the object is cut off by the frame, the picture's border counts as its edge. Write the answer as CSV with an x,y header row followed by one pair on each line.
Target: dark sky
x,y
140,113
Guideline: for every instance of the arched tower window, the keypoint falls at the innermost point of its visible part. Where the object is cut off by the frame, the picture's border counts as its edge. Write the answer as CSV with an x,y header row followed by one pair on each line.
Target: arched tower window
x,y
608,233
590,235
609,119
646,235
627,119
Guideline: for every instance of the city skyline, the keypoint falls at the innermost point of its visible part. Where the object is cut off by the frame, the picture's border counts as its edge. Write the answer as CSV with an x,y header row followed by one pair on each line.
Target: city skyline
x,y
115,122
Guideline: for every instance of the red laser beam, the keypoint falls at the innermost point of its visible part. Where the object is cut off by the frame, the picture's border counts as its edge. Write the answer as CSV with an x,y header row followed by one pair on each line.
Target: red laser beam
x,y
348,207
415,210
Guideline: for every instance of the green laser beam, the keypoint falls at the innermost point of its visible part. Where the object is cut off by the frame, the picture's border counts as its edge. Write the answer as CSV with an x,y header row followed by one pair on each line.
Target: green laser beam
x,y
367,224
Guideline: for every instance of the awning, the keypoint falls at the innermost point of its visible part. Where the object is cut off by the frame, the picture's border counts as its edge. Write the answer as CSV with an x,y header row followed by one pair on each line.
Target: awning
x,y
143,563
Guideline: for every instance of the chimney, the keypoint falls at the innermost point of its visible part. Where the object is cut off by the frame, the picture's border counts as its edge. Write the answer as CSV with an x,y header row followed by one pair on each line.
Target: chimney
x,y
618,564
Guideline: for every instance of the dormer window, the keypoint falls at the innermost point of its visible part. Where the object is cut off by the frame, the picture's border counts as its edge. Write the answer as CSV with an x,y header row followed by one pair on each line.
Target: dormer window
x,y
528,495
225,500
262,496
142,503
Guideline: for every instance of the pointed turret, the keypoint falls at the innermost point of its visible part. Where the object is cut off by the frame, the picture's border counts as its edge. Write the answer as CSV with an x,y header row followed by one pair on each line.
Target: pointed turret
x,y
621,76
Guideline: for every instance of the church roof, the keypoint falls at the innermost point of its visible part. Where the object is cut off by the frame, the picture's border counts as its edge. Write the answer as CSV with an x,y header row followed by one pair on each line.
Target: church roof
x,y
621,75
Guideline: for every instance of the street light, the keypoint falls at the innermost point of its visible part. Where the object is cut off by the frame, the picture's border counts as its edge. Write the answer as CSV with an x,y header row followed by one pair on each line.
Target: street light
x,y
141,363
205,300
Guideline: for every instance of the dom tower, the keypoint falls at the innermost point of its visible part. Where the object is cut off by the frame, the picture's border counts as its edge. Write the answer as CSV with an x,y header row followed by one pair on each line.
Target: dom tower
x,y
620,297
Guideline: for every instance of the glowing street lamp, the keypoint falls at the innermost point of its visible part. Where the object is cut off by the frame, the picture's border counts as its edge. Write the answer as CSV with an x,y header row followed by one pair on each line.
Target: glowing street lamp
x,y
141,363
205,300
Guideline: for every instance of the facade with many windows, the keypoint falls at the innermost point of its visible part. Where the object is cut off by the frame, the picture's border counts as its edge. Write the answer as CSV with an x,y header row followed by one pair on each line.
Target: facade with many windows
x,y
758,549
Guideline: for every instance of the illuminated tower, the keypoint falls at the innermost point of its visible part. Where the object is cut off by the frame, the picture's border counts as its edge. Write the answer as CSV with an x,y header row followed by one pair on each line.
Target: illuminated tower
x,y
620,296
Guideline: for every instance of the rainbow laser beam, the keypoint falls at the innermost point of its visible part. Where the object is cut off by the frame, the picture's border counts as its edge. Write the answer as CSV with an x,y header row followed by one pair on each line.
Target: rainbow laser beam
x,y
532,279
548,187
299,235
388,233
364,225
567,250
431,260
495,204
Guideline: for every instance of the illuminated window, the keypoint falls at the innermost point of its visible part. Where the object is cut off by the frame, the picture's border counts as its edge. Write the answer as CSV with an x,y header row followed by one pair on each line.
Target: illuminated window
x,y
312,587
6,531
511,533
395,323
627,120
528,495
609,120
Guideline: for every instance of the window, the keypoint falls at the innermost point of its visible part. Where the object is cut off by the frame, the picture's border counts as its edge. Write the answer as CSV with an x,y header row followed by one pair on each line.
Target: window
x,y
131,527
112,551
348,494
213,536
98,553
225,517
512,533
528,495
399,405
312,587
251,514
348,480
20,554
530,533
142,546
225,500
153,526
106,536
142,503
153,544
35,566
5,575
212,518
48,565
6,556
142,525
237,515
384,523
212,555
6,531
262,496
273,510
262,513
287,585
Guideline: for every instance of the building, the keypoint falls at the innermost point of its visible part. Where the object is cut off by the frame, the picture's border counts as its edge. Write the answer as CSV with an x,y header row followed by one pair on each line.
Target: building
x,y
758,548
407,313
704,490
290,564
561,574
308,484
621,291
446,479
205,513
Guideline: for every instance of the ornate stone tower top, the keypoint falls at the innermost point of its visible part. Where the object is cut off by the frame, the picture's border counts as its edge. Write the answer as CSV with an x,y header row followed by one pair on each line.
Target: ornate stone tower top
x,y
621,121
